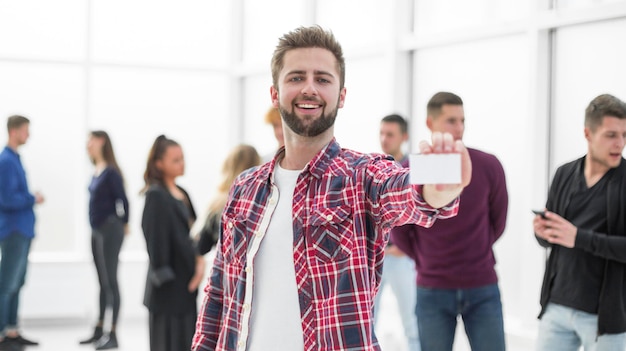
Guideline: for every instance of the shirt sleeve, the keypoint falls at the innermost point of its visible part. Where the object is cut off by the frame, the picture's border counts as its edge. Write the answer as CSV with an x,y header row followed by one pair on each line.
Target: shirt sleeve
x,y
12,197
612,247
155,224
498,201
210,321
119,194
395,202
550,203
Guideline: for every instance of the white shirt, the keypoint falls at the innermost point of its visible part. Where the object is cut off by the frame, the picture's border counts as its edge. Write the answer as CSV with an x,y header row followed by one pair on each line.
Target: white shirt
x,y
275,321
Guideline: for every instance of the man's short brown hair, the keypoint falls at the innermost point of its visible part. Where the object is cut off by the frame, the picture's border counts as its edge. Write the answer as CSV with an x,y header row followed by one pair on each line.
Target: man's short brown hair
x,y
16,121
604,105
307,37
435,104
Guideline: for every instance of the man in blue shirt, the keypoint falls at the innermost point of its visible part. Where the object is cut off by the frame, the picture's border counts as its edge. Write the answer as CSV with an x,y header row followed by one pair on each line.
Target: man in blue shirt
x,y
17,229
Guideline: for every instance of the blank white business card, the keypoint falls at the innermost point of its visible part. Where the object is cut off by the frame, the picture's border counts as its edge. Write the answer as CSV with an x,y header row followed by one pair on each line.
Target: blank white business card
x,y
435,168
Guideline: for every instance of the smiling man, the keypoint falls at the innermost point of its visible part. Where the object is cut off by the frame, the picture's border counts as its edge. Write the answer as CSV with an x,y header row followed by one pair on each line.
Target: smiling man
x,y
582,298
303,237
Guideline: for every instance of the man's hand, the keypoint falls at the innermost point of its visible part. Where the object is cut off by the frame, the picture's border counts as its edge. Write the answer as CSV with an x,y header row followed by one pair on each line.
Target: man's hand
x,y
39,199
555,229
439,195
393,250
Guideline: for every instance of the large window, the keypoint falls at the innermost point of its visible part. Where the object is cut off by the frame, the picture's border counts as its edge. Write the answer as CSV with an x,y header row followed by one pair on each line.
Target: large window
x,y
135,69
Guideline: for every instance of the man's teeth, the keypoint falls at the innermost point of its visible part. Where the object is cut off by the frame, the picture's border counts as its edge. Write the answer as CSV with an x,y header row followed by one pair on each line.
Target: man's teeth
x,y
307,106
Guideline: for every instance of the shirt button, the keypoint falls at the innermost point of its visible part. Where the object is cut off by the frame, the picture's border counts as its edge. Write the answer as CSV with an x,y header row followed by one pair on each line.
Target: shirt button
x,y
246,306
329,217
230,225
248,269
258,233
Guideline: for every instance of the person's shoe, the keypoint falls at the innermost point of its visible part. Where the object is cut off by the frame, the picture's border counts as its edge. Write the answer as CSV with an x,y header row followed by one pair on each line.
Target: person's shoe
x,y
107,342
97,334
20,340
9,345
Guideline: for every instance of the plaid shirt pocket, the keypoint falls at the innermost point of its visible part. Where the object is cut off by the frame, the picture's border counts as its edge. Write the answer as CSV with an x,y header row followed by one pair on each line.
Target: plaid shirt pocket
x,y
331,234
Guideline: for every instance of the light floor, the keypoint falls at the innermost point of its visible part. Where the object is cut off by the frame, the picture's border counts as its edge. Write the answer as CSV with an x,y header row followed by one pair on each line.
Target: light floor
x,y
63,335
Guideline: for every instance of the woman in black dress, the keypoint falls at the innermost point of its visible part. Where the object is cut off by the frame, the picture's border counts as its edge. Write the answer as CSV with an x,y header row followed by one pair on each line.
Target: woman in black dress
x,y
175,270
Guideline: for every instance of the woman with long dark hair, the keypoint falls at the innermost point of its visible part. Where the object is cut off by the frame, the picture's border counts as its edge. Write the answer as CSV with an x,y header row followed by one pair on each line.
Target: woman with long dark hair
x,y
108,217
175,269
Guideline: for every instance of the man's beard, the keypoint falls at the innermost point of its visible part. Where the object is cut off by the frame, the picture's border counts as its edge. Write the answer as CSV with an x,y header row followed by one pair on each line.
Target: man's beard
x,y
315,128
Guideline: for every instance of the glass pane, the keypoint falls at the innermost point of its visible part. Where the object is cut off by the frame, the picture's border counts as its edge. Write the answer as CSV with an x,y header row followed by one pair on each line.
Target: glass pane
x,y
369,24
266,21
165,32
51,96
40,29
367,102
577,4
255,131
137,106
440,16
584,70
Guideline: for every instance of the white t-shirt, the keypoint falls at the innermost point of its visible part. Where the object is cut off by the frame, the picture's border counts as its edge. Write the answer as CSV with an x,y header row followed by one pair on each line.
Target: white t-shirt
x,y
275,322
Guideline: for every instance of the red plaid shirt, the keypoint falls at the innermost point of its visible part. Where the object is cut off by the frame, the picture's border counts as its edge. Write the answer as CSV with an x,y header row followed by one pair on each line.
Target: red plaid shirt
x,y
344,205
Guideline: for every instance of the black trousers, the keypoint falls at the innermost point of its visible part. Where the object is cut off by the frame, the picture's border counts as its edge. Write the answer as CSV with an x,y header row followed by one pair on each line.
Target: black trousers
x,y
106,243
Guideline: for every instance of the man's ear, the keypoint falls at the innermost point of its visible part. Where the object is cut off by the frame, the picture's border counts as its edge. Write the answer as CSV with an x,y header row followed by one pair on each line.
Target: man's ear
x,y
429,123
588,133
342,97
274,96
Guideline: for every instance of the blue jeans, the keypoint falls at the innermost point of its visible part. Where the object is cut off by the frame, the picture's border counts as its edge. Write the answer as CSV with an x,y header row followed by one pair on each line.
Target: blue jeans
x,y
480,308
13,264
399,274
566,329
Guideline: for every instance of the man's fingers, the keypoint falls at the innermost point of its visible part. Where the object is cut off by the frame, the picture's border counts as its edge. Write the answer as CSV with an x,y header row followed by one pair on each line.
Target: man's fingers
x,y
437,142
424,147
448,143
459,146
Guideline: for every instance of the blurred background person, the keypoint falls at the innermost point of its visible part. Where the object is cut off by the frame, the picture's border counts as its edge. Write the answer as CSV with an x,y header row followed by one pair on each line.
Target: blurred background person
x,y
240,158
398,268
108,217
17,229
454,258
272,117
175,270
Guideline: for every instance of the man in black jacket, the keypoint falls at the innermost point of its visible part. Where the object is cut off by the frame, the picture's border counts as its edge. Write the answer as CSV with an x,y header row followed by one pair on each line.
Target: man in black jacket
x,y
583,297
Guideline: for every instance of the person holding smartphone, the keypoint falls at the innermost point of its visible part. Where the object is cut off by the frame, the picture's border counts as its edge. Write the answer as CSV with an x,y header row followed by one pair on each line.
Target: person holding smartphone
x,y
582,297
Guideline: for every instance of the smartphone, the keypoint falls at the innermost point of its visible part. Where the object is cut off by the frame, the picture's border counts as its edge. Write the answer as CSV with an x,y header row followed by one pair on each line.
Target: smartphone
x,y
541,213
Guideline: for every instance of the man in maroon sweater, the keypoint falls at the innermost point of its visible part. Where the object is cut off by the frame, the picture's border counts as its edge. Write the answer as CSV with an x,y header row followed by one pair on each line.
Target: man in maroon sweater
x,y
454,258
